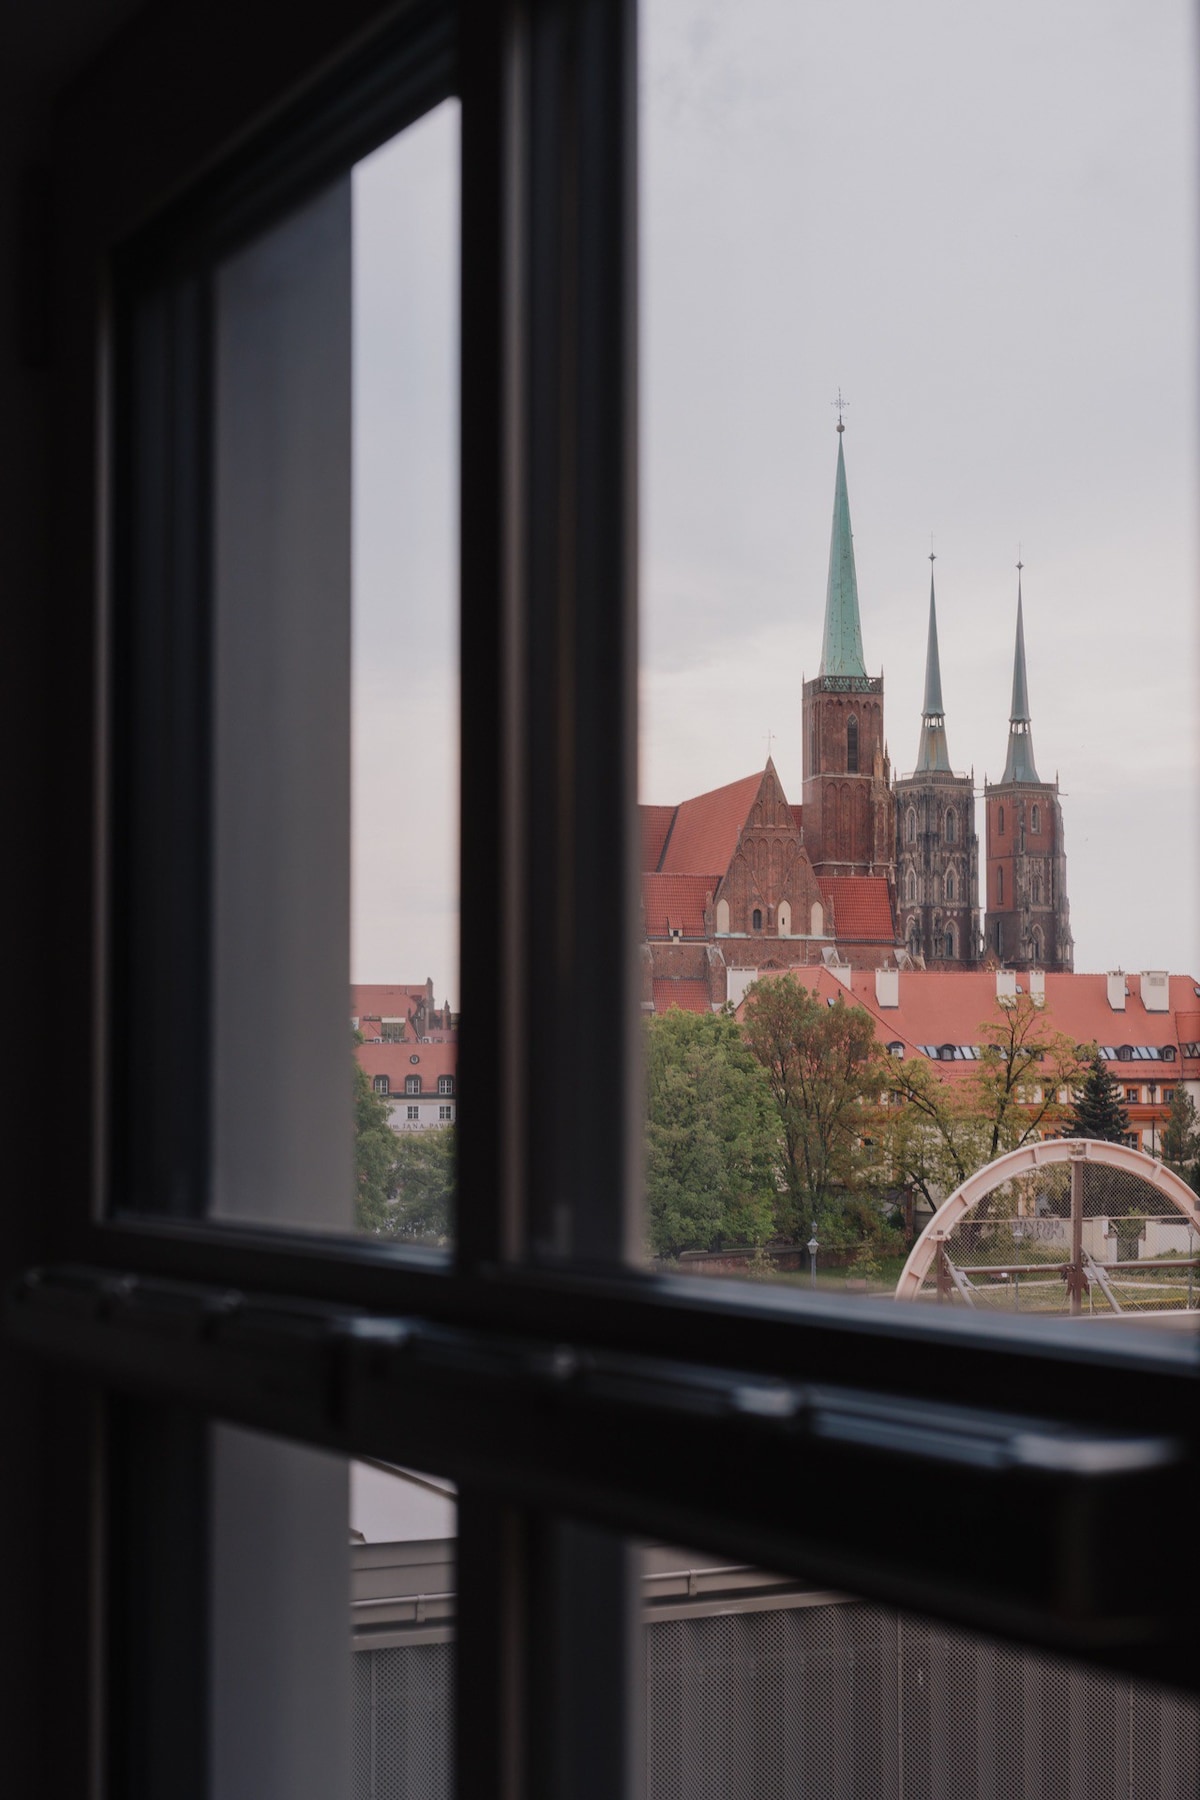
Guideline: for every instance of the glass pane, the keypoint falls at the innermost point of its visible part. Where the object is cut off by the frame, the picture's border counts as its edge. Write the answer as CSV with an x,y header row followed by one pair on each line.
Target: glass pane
x,y
913,807
336,675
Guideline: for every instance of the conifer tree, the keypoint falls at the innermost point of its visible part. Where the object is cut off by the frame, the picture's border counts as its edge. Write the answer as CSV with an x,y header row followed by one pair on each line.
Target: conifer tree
x,y
1097,1110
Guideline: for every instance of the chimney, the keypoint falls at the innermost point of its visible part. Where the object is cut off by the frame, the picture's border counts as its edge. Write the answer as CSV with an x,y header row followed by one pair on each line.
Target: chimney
x,y
1037,986
1116,990
887,987
1006,986
1156,990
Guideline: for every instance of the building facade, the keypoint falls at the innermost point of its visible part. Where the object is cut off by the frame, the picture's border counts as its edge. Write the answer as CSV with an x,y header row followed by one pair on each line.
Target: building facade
x,y
1028,919
937,847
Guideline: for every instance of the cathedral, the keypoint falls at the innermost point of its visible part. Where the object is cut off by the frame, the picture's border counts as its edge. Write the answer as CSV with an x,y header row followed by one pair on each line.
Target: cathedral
x,y
870,870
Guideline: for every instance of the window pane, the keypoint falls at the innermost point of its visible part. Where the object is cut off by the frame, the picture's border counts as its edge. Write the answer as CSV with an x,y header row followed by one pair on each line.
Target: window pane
x,y
889,784
336,742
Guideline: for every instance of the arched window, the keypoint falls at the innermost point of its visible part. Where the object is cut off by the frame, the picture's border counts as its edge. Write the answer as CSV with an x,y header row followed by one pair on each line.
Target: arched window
x,y
816,919
949,943
951,824
852,745
910,826
756,918
1035,820
999,887
912,886
783,919
997,937
382,1085
950,884
1000,821
722,918
1037,887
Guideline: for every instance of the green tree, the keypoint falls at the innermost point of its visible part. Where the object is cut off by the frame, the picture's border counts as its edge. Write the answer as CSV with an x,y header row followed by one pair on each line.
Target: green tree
x,y
939,1129
823,1066
423,1184
1180,1144
1097,1110
374,1154
710,1136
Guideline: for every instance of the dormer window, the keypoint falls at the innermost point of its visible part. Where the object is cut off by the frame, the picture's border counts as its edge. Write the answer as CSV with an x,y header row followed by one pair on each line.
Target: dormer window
x,y
445,1084
381,1084
412,1084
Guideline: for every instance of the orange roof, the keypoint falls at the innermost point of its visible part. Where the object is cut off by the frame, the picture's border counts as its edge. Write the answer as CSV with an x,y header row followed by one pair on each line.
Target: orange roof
x,y
398,1060
676,902
386,1000
861,907
656,823
688,996
706,830
949,1007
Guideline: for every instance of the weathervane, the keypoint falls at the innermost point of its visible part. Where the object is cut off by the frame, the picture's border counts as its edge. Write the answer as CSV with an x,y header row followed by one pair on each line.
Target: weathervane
x,y
841,407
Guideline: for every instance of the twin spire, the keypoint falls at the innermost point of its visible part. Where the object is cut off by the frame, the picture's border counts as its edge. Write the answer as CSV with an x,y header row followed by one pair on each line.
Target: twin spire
x,y
842,650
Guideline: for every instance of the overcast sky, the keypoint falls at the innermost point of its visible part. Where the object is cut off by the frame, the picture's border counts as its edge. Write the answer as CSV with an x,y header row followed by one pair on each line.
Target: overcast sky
x,y
979,222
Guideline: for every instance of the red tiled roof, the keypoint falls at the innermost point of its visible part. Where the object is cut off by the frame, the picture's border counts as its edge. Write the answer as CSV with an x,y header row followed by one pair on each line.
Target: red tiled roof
x,y
655,822
688,996
950,1007
385,1000
861,907
706,829
396,1061
674,902
798,815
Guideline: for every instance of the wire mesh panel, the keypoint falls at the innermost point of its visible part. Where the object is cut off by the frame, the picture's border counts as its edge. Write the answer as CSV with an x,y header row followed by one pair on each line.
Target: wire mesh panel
x,y
1017,1248
403,1723
855,1702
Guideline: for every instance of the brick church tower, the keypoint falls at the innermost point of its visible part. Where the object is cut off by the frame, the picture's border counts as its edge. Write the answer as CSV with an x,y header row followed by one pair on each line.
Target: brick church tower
x,y
937,849
848,810
1028,919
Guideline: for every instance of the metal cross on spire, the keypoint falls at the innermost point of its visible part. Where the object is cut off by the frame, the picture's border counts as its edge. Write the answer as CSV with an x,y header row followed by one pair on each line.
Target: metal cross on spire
x,y
932,557
841,407
770,740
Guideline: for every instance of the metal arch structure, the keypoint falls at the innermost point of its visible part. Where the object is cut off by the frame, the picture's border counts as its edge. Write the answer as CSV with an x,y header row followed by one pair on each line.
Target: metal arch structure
x,y
1020,1162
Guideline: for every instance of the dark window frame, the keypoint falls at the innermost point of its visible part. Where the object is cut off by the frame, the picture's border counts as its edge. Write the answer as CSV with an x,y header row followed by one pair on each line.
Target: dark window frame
x,y
548,1191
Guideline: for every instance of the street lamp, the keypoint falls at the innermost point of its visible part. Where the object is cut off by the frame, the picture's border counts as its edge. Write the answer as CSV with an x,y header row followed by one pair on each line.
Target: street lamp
x,y
813,1247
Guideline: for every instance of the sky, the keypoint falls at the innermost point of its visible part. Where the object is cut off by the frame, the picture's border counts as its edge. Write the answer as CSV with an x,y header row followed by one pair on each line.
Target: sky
x,y
978,223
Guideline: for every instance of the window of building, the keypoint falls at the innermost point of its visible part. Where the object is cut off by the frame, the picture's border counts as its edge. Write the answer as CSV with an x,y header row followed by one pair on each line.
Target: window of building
x,y
1035,821
912,885
852,745
910,826
950,884
445,1084
445,1113
999,887
1037,890
951,824
756,919
1131,1095
950,943
381,1084
1000,821
412,1084
412,1113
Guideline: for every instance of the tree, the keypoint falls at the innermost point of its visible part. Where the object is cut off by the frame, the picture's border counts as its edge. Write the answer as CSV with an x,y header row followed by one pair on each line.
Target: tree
x,y
374,1154
1098,1110
423,1184
823,1064
939,1130
710,1136
1180,1144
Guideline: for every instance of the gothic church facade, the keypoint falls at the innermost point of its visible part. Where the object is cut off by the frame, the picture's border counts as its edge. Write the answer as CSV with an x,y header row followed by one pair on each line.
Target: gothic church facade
x,y
867,872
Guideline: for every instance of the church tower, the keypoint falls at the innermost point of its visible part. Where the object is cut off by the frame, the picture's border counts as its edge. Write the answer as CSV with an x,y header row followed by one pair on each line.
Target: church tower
x,y
848,821
937,849
1028,919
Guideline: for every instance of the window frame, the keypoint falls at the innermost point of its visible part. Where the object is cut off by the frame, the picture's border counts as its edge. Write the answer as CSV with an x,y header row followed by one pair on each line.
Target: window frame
x,y
548,1161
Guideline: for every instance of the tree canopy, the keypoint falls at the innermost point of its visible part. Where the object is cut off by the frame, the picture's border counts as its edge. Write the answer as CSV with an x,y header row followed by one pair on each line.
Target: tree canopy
x,y
1180,1144
710,1136
1098,1109
823,1065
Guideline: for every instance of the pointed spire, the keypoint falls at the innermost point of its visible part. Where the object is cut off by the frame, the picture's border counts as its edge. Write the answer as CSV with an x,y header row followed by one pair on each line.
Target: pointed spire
x,y
1020,765
933,753
1020,690
841,647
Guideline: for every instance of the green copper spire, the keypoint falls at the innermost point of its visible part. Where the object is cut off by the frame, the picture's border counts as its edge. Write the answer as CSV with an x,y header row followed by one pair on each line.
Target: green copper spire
x,y
1020,764
841,647
933,753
